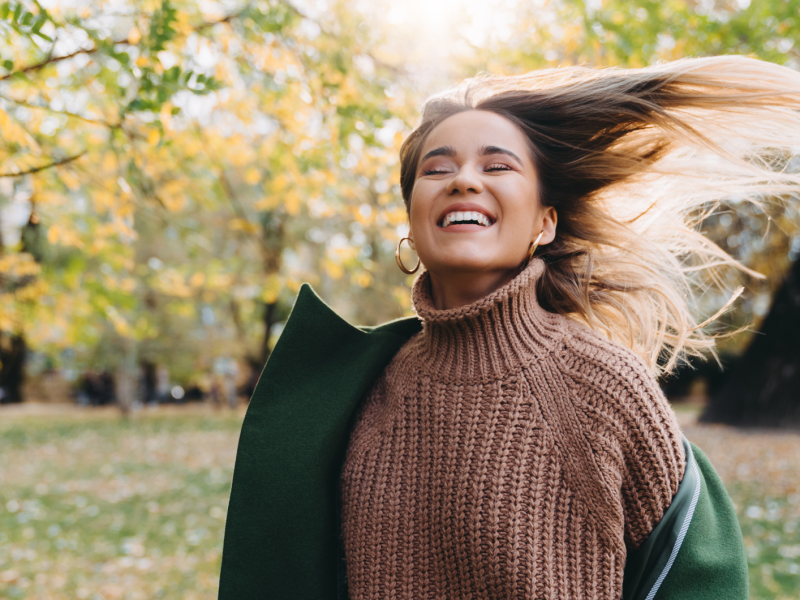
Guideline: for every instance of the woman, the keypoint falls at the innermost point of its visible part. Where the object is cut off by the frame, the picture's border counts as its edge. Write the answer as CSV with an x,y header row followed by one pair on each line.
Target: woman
x,y
511,441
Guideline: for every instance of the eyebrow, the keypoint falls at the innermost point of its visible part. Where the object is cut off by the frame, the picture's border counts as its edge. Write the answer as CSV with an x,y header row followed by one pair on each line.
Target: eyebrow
x,y
484,151
441,151
487,150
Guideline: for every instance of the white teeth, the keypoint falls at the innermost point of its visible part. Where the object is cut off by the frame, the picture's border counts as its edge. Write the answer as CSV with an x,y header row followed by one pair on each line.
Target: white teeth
x,y
470,215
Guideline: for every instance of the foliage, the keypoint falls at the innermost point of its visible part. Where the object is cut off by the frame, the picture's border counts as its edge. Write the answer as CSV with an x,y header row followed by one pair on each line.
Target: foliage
x,y
182,167
189,166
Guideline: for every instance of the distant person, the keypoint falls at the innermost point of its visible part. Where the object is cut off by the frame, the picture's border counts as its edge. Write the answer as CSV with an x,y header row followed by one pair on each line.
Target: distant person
x,y
511,440
163,388
215,392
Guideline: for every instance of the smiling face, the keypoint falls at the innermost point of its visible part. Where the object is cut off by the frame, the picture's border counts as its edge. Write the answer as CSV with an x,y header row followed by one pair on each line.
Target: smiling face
x,y
474,207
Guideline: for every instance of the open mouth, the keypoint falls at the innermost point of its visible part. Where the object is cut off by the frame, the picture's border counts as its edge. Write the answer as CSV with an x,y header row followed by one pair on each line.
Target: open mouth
x,y
467,217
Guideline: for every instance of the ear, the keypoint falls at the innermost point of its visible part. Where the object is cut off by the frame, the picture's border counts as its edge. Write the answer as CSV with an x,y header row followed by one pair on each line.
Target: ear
x,y
411,241
549,222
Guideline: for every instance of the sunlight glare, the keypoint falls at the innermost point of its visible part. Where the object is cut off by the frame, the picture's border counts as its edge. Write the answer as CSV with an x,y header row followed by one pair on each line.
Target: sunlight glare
x,y
430,35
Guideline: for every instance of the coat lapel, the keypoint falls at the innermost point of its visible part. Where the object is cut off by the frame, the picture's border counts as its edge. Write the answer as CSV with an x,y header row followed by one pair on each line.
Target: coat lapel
x,y
281,531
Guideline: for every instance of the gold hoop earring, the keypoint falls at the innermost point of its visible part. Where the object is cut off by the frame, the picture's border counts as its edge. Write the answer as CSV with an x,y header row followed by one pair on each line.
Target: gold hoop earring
x,y
400,262
532,248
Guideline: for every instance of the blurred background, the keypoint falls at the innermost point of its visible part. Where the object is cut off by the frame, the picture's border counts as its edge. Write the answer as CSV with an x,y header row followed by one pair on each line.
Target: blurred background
x,y
172,171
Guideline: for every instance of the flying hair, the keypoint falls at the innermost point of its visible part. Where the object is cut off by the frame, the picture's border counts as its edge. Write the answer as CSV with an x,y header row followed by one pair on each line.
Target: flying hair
x,y
634,160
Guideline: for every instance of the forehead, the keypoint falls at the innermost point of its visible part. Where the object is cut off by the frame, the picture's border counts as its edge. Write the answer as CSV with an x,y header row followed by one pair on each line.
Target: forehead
x,y
471,130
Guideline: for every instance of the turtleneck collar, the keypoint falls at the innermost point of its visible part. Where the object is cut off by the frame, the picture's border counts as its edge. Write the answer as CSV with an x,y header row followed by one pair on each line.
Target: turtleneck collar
x,y
490,337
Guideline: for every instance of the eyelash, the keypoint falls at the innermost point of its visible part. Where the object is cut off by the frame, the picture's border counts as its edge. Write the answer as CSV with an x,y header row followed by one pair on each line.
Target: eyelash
x,y
434,172
492,167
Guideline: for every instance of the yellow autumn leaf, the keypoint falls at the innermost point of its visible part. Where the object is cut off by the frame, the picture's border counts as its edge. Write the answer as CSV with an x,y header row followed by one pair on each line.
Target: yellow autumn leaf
x,y
292,202
172,283
173,194
69,179
183,23
63,236
16,134
32,292
153,137
242,225
98,245
363,279
272,288
103,200
134,35
165,116
267,203
280,182
197,280
119,322
127,284
219,281
252,176
109,162
334,270
19,265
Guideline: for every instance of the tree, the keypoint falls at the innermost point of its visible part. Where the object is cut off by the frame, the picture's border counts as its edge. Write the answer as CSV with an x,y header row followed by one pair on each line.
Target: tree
x,y
763,387
190,169
187,166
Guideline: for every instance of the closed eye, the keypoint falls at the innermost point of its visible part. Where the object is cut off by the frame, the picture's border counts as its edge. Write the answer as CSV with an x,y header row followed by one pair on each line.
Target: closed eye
x,y
498,167
435,171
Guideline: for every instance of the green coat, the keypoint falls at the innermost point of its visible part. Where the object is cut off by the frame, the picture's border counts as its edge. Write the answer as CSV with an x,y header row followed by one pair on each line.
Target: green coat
x,y
282,532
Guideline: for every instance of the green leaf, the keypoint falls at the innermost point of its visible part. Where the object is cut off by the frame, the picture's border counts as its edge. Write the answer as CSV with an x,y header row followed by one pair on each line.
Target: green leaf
x,y
5,9
172,74
17,13
38,24
8,65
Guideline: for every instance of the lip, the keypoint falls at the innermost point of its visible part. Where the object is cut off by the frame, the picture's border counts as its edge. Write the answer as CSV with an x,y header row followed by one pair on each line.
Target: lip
x,y
465,206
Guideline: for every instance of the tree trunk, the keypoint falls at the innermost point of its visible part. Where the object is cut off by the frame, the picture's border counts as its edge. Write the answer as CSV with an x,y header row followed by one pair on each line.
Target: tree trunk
x,y
270,318
126,380
762,389
12,367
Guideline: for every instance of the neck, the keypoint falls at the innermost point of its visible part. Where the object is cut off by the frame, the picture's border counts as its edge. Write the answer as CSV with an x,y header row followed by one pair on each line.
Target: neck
x,y
488,338
454,290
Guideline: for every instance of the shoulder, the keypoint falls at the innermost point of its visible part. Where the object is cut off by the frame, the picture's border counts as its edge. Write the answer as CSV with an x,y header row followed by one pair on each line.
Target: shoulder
x,y
621,401
598,364
583,347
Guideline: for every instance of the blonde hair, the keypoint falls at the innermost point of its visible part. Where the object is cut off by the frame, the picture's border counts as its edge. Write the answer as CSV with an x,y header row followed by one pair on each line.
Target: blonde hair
x,y
634,161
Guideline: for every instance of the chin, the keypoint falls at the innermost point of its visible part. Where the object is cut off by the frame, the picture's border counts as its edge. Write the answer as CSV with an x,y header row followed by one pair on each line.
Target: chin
x,y
466,264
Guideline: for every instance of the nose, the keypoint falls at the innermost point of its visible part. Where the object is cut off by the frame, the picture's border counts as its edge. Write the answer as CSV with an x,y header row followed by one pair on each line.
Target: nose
x,y
466,179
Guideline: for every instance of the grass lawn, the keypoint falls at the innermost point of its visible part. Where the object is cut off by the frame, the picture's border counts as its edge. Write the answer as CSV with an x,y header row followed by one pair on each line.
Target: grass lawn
x,y
94,507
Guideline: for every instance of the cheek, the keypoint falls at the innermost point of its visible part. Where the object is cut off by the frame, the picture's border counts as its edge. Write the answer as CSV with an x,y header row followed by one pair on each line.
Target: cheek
x,y
419,208
521,219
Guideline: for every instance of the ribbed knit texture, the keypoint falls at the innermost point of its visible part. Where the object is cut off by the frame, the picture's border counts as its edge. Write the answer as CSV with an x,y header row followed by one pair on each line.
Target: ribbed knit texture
x,y
505,452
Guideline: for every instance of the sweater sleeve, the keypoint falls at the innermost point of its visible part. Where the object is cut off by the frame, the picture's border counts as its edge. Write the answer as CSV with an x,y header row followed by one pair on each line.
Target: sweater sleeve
x,y
631,428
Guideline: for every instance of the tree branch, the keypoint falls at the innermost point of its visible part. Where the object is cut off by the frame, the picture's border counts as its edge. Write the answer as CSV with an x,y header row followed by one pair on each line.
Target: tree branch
x,y
62,112
56,163
54,59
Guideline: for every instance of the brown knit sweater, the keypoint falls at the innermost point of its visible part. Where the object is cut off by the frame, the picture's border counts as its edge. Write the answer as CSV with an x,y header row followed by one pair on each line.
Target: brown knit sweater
x,y
505,452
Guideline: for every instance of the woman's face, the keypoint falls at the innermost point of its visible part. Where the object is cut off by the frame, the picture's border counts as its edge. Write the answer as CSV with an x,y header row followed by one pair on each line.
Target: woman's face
x,y
474,205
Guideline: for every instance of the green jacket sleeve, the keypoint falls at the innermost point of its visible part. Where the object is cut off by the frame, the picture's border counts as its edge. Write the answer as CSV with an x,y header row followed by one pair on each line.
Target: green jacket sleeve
x,y
697,551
